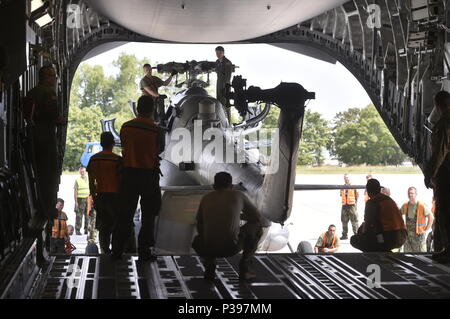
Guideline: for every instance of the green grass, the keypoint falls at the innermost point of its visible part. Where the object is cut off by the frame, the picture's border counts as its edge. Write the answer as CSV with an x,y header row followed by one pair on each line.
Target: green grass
x,y
359,170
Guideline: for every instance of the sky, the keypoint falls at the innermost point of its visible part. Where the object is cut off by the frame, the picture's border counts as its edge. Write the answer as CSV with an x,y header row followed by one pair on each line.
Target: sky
x,y
262,65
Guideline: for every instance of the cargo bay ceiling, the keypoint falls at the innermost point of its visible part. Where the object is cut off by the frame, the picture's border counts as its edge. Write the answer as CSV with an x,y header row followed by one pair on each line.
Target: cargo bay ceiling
x,y
398,50
209,21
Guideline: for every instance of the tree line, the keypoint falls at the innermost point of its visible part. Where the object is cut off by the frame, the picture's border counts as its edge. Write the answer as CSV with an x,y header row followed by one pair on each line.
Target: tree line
x,y
357,136
354,137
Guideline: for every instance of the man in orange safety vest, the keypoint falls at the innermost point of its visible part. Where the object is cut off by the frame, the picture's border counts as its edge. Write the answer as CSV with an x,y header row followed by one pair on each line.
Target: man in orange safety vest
x,y
418,220
349,198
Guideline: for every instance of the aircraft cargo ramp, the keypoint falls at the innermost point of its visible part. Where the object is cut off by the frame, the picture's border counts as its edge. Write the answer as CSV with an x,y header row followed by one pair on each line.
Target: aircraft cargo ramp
x,y
285,276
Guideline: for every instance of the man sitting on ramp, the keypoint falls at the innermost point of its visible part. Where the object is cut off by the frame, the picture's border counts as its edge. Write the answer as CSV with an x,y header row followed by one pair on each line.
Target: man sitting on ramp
x,y
328,242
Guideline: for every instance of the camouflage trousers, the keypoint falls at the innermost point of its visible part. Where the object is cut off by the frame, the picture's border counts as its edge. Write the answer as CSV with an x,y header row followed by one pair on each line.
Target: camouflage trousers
x,y
415,243
80,212
349,213
92,236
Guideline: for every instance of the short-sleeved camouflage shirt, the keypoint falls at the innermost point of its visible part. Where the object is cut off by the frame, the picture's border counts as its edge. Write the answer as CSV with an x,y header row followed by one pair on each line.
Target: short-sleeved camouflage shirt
x,y
45,115
329,241
46,104
153,82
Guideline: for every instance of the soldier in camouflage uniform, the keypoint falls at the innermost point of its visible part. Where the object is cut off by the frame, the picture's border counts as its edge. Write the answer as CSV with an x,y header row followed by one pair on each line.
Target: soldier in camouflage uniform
x,y
92,230
41,112
328,242
418,221
224,68
349,212
149,86
81,193
437,175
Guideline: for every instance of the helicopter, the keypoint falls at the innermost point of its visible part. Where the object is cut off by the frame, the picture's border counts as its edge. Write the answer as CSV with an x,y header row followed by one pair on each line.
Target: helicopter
x,y
201,141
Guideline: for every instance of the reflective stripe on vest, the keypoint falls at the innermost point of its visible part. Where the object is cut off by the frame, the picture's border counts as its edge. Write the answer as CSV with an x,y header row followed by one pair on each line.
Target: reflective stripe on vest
x,y
59,228
82,188
324,241
421,219
350,198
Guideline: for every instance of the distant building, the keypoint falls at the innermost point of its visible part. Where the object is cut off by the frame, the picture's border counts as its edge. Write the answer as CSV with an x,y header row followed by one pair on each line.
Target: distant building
x,y
331,162
407,164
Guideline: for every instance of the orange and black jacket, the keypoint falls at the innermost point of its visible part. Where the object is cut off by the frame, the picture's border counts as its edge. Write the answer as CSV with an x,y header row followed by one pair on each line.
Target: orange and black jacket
x,y
142,142
104,170
382,214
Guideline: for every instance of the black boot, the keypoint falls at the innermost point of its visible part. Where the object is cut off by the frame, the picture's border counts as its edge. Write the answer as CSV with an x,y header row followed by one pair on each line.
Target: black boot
x,y
444,259
245,272
146,254
210,269
444,254
105,241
